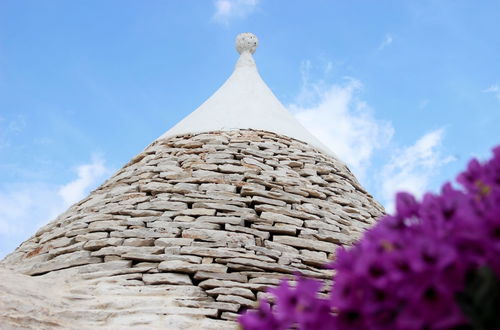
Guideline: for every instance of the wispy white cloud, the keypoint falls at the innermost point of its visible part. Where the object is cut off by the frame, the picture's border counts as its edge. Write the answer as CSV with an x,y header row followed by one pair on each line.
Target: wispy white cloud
x,y
423,103
411,168
386,42
88,176
226,10
341,120
43,141
10,128
337,115
495,89
24,207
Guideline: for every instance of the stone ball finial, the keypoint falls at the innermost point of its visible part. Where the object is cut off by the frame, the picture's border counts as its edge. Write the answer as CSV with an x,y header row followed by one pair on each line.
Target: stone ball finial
x,y
246,42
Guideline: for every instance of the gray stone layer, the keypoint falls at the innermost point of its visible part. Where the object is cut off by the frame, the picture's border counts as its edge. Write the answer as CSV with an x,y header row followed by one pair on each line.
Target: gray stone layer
x,y
221,214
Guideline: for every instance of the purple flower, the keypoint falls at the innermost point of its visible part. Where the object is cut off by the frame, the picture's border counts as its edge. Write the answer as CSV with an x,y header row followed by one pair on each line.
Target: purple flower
x,y
407,271
470,177
260,319
406,205
301,304
430,305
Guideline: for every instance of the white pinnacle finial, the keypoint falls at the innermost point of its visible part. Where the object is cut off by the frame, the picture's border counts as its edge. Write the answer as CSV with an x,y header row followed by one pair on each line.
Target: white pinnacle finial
x,y
246,42
244,101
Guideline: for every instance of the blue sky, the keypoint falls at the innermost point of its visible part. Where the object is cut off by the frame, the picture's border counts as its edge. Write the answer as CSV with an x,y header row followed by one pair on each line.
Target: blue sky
x,y
404,91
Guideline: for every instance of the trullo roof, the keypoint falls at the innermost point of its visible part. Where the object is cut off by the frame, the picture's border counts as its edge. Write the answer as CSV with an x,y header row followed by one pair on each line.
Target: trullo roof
x,y
244,101
194,228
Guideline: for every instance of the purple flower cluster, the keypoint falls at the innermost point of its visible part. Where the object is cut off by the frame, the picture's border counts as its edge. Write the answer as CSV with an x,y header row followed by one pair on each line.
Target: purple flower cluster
x,y
294,305
407,270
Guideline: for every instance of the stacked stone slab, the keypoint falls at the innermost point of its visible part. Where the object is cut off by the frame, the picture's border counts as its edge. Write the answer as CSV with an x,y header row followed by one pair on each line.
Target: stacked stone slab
x,y
193,230
222,215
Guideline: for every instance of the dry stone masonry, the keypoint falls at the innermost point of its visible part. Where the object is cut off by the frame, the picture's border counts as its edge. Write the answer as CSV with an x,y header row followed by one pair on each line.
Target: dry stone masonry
x,y
196,227
208,220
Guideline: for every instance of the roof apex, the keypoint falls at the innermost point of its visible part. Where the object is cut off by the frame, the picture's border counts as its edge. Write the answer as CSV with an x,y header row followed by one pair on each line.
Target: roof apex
x,y
244,101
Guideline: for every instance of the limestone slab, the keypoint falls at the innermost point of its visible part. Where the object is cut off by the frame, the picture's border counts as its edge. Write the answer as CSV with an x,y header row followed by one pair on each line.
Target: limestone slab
x,y
186,267
305,243
166,278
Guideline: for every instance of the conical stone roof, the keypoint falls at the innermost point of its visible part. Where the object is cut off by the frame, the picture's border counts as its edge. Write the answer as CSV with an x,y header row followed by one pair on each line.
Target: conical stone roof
x,y
244,101
198,225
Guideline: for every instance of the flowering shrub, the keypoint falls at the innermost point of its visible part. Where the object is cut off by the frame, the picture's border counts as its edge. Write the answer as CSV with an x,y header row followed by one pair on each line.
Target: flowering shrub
x,y
434,264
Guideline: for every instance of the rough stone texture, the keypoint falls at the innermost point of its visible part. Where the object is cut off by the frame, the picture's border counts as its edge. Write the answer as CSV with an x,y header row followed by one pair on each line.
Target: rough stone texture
x,y
216,217
115,302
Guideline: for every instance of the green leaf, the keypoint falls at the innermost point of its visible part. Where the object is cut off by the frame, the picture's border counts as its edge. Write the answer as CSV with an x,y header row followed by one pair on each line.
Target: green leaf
x,y
480,300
